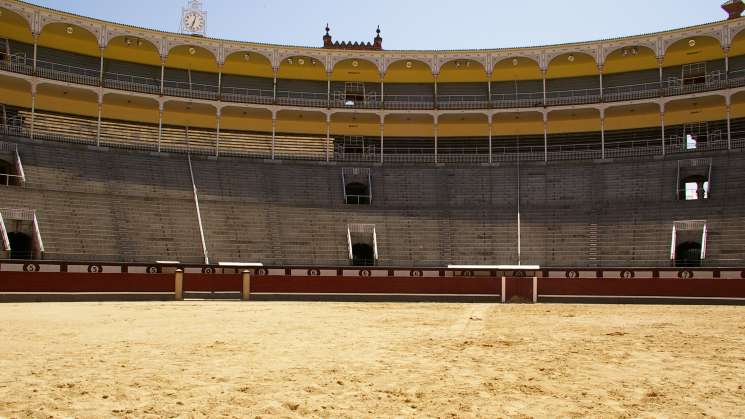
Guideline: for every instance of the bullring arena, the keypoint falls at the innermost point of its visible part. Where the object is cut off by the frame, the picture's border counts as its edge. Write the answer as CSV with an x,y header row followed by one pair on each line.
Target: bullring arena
x,y
200,227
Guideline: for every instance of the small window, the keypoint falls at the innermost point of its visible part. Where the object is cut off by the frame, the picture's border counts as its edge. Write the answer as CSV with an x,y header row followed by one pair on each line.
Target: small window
x,y
691,191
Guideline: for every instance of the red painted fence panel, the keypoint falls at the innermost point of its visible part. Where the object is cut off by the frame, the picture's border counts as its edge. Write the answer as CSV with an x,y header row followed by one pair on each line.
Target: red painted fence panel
x,y
643,287
42,282
377,285
519,288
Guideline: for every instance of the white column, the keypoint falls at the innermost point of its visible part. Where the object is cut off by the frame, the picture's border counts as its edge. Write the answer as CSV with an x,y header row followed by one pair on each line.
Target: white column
x,y
488,89
275,70
217,136
545,136
436,132
274,132
219,82
328,89
489,121
729,122
162,74
602,134
382,91
662,124
33,110
726,63
600,72
36,47
328,137
382,133
436,96
100,74
160,124
98,125
659,65
543,77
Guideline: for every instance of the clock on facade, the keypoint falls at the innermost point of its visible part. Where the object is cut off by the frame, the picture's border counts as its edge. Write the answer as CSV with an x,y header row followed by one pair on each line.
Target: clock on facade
x,y
193,18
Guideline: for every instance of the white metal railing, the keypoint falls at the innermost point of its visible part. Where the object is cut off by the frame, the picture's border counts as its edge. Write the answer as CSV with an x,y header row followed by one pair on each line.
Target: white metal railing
x,y
715,80
4,234
68,73
37,234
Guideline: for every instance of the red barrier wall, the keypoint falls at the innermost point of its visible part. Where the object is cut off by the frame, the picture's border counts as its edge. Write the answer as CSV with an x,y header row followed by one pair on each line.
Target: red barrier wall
x,y
84,282
377,285
212,283
659,287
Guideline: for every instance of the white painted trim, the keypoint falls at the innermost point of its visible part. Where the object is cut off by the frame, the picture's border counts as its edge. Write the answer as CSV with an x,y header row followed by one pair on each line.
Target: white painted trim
x,y
504,290
535,289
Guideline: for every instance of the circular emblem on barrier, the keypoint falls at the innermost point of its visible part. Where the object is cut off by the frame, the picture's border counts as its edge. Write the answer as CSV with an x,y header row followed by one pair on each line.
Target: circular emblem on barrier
x,y
572,274
467,273
209,270
416,273
152,270
627,275
31,267
742,274
365,273
261,272
95,269
686,274
520,274
314,272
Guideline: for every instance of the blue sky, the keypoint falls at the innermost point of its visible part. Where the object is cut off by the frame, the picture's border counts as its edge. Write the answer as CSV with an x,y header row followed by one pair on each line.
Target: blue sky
x,y
412,24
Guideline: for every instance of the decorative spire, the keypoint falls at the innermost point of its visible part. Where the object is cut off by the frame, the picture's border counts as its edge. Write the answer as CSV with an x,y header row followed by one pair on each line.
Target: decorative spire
x,y
327,38
377,45
378,41
734,8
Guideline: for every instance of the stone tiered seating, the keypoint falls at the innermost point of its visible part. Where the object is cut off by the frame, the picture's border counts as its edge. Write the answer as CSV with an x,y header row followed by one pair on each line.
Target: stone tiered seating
x,y
134,206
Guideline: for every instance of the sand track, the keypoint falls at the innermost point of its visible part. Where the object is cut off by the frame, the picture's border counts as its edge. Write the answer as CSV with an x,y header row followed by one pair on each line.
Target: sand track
x,y
198,359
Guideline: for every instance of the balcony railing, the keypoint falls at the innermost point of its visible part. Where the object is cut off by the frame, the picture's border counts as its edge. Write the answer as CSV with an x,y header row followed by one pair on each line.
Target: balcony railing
x,y
21,64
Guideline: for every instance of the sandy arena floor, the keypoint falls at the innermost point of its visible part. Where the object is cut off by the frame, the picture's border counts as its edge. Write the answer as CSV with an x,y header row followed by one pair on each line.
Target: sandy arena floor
x,y
197,359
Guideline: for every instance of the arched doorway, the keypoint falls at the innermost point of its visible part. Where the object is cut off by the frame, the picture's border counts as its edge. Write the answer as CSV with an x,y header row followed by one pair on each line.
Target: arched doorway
x,y
363,255
688,255
20,246
357,193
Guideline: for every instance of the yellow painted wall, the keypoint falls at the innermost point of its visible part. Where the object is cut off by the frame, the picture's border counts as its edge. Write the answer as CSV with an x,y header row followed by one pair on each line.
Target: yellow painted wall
x,y
525,126
117,50
67,105
191,119
526,69
704,50
14,27
301,127
464,129
561,67
15,97
366,128
257,66
635,120
711,113
246,123
78,42
130,113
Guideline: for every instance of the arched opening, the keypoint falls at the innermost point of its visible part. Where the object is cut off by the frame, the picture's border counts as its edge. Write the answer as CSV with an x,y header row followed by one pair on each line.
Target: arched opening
x,y
191,71
517,81
688,255
247,77
409,84
363,255
6,171
357,193
21,246
132,63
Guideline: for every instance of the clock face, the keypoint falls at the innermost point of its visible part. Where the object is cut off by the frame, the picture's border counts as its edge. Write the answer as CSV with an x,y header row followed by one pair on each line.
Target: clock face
x,y
194,21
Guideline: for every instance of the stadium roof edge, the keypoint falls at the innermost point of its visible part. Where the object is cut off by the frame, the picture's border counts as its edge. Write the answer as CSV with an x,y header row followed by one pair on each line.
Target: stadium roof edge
x,y
481,50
